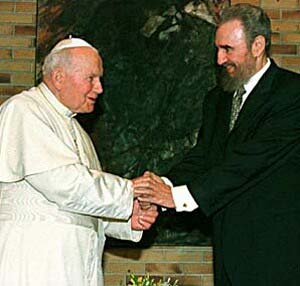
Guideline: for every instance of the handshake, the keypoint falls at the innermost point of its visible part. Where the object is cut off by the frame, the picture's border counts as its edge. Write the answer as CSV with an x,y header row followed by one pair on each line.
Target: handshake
x,y
149,191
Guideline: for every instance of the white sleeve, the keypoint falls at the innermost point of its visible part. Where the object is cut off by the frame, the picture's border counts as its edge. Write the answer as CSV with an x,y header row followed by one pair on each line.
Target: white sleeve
x,y
121,230
77,189
182,197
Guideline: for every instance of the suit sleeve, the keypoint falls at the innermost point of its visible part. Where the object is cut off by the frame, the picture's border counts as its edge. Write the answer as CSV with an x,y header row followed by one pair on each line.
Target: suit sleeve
x,y
194,162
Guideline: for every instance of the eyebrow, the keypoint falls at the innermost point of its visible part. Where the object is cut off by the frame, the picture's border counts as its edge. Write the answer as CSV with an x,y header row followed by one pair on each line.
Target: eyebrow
x,y
226,47
96,74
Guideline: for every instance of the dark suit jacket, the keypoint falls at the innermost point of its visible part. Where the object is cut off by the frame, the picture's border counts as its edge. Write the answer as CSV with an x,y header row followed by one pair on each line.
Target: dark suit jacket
x,y
248,180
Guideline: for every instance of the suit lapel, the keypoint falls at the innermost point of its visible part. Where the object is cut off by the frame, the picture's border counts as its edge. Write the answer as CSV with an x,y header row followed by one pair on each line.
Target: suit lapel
x,y
224,112
221,125
257,98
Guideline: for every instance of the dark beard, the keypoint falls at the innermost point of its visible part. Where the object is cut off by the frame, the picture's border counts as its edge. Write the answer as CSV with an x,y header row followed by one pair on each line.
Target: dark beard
x,y
243,73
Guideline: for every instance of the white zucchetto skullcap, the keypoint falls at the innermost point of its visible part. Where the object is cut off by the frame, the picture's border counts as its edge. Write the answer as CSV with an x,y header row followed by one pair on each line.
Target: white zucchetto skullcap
x,y
70,43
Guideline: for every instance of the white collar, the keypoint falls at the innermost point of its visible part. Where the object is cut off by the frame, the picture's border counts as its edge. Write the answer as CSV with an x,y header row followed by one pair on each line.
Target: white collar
x,y
252,82
46,92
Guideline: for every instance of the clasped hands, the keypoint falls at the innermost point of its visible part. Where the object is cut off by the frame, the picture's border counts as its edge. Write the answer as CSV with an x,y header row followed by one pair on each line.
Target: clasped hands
x,y
150,191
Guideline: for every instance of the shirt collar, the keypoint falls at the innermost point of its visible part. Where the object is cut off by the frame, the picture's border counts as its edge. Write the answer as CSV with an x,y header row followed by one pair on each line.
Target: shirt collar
x,y
249,86
47,93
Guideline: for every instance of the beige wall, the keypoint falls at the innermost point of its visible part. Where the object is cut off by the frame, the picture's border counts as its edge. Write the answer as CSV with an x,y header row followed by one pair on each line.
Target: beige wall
x,y
17,46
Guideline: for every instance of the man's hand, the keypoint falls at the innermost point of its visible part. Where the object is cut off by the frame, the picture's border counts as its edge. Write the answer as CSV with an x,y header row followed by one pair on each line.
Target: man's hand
x,y
150,188
142,219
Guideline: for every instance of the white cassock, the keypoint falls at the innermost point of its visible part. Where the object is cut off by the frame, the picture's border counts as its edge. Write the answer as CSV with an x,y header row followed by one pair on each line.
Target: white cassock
x,y
56,205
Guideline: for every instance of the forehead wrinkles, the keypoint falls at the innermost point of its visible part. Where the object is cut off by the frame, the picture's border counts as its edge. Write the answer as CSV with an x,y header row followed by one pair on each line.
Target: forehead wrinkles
x,y
87,61
231,32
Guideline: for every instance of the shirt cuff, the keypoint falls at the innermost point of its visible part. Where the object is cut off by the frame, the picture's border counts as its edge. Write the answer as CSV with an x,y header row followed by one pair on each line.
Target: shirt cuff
x,y
182,197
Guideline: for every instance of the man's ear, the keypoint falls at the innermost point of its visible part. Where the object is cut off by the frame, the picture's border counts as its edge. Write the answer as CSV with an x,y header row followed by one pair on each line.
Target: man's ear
x,y
258,46
58,78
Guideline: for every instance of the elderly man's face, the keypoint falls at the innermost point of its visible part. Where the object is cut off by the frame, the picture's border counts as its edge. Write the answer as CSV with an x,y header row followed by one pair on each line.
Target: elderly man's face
x,y
82,82
233,55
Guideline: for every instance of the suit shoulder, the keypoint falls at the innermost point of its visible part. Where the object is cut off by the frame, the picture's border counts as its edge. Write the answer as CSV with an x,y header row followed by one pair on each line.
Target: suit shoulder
x,y
214,92
286,78
215,95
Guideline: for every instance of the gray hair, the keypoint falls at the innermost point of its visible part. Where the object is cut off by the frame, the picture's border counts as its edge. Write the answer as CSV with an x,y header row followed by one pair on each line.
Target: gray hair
x,y
254,20
61,58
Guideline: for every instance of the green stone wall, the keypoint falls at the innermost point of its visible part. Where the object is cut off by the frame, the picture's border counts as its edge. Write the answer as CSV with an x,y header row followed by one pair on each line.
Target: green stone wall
x,y
159,63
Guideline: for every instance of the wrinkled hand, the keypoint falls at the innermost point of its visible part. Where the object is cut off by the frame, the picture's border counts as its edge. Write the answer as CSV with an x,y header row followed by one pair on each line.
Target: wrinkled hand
x,y
142,219
150,188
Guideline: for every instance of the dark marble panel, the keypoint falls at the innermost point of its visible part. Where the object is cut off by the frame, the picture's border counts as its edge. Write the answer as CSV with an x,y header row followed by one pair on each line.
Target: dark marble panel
x,y
159,61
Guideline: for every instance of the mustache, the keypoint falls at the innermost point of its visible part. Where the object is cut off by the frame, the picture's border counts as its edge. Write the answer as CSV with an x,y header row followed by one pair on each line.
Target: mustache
x,y
228,64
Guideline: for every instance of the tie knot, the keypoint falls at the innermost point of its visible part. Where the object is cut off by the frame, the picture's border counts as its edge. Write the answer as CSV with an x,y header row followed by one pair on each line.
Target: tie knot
x,y
240,91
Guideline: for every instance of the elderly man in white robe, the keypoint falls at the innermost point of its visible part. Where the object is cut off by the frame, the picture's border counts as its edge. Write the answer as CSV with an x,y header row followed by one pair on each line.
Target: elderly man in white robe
x,y
56,204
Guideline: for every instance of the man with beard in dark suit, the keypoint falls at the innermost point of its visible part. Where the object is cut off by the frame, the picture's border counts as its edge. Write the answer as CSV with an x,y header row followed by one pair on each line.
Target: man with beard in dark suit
x,y
244,171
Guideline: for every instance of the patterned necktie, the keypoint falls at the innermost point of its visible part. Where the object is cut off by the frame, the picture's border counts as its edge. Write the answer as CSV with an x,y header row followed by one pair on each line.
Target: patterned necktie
x,y
236,106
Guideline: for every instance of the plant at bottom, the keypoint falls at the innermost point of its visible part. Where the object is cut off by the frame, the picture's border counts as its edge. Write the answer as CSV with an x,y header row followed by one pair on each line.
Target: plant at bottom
x,y
146,280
